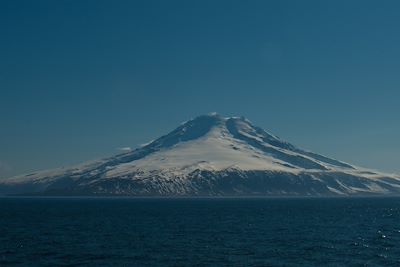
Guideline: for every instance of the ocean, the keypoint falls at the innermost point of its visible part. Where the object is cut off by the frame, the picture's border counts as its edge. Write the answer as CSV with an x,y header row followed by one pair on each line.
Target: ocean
x,y
200,232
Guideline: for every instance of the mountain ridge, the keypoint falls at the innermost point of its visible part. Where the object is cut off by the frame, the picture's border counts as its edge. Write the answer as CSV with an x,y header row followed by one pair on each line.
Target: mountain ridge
x,y
210,155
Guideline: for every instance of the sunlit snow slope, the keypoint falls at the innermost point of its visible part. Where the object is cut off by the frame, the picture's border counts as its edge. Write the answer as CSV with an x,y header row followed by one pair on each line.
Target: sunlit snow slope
x,y
210,155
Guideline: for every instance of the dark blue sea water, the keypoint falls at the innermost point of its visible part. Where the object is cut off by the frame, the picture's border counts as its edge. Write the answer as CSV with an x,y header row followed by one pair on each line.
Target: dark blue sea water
x,y
200,232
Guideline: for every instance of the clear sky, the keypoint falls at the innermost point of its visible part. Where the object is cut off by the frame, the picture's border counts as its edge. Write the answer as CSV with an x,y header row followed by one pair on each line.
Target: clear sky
x,y
80,79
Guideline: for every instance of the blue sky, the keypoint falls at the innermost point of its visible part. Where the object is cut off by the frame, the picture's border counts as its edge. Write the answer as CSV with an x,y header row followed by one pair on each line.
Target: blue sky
x,y
80,79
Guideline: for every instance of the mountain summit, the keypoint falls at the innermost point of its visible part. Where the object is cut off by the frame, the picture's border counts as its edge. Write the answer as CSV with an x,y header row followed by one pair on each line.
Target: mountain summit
x,y
210,156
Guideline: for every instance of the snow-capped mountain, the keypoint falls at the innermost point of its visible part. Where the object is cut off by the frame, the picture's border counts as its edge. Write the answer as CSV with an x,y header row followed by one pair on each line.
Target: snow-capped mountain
x,y
209,156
